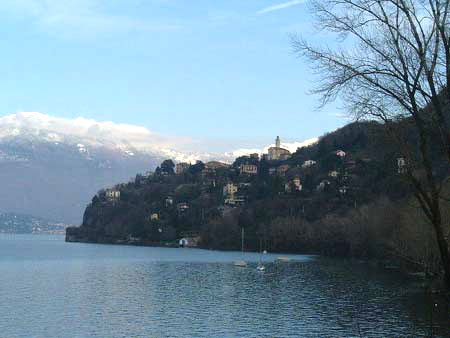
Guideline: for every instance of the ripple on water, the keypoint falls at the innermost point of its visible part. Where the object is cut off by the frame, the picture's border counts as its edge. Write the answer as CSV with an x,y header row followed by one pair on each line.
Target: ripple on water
x,y
58,290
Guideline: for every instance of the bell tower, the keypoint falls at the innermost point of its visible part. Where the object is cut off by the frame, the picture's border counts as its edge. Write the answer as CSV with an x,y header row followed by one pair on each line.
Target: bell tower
x,y
278,142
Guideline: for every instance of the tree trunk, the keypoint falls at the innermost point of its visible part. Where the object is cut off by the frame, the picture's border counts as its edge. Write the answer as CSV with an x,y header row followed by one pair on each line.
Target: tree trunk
x,y
443,249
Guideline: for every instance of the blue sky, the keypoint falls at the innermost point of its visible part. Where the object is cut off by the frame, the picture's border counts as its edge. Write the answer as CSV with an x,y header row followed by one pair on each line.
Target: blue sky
x,y
216,70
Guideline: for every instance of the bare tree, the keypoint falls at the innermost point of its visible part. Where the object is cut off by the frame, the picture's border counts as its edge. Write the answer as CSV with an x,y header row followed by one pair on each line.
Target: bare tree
x,y
397,69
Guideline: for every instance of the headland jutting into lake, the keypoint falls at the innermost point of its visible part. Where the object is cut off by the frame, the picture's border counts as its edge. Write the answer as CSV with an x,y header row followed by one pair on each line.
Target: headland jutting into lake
x,y
345,195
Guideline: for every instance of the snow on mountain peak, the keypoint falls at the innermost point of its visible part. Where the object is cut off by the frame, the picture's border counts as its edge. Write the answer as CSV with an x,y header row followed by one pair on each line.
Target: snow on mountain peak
x,y
87,133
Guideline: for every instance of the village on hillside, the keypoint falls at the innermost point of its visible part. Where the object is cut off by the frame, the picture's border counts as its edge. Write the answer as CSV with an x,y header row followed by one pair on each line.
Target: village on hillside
x,y
177,200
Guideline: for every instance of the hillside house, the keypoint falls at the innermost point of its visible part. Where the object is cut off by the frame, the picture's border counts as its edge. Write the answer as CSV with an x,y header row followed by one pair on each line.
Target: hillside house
x,y
308,163
216,165
293,185
401,165
282,169
189,242
148,174
234,200
208,172
249,169
340,153
182,207
168,201
343,190
230,189
322,185
333,174
181,167
112,194
154,217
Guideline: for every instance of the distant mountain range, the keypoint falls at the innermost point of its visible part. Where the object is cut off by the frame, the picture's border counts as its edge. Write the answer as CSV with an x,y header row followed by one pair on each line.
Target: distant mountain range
x,y
51,167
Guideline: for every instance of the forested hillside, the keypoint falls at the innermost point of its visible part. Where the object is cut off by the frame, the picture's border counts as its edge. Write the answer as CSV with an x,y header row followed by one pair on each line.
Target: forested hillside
x,y
345,195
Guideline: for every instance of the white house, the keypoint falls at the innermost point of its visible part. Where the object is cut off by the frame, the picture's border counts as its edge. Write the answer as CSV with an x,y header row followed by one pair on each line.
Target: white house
x,y
169,201
343,190
154,217
340,153
401,165
308,163
112,194
183,206
189,242
322,185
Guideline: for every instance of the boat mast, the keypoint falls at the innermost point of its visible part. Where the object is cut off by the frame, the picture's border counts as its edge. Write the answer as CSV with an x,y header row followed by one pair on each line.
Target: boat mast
x,y
242,239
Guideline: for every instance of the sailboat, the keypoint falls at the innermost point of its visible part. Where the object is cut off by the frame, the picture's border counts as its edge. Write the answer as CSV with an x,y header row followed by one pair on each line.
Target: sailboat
x,y
260,266
241,263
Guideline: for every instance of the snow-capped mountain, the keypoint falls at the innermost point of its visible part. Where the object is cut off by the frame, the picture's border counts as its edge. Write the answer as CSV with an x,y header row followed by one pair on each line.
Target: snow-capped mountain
x,y
87,135
51,167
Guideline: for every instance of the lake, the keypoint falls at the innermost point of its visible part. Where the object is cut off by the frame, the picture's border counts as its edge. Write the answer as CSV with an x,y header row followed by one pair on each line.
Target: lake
x,y
49,288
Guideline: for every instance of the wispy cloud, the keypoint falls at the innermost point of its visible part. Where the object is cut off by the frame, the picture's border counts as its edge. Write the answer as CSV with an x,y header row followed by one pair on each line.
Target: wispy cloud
x,y
280,6
81,17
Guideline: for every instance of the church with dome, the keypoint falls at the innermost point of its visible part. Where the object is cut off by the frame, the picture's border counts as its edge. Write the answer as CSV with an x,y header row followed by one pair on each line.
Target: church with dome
x,y
277,153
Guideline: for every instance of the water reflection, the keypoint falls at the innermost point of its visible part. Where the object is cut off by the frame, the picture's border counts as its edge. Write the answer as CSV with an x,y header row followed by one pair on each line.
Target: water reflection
x,y
58,289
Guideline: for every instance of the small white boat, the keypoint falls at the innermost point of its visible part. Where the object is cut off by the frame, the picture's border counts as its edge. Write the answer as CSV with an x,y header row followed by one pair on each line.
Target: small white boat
x,y
241,264
260,267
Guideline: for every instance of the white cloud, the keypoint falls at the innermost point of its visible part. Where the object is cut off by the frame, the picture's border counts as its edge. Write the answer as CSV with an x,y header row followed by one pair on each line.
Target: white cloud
x,y
80,17
280,6
87,133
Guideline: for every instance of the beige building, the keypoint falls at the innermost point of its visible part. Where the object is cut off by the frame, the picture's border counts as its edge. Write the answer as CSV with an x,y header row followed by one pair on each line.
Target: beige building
x,y
181,167
234,200
278,153
216,165
249,169
333,173
230,189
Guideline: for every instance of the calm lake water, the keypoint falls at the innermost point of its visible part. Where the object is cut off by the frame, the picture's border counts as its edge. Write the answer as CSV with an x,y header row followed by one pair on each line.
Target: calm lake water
x,y
49,288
